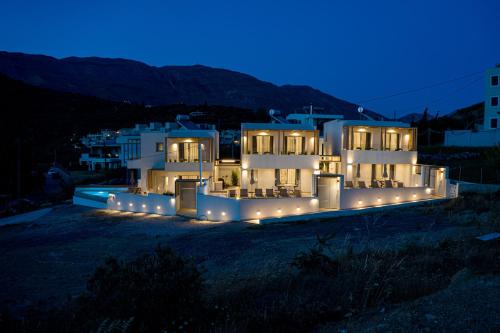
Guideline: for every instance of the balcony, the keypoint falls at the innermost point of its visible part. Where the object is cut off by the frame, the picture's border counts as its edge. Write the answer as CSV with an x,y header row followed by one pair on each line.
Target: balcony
x,y
271,161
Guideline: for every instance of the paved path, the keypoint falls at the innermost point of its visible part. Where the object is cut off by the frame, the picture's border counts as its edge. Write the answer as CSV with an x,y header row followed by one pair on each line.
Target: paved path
x,y
26,217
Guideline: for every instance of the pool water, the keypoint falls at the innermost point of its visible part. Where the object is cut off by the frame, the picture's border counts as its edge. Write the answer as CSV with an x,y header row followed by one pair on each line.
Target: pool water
x,y
101,194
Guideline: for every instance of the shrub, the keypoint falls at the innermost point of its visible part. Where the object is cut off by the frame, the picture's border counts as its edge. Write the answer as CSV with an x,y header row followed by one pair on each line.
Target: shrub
x,y
160,291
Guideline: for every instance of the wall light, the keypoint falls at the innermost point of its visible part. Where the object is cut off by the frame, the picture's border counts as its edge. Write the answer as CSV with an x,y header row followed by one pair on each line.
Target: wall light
x,y
130,204
158,207
172,201
379,200
143,205
278,210
314,201
209,212
360,202
119,203
297,209
316,172
414,195
223,213
258,213
428,190
397,197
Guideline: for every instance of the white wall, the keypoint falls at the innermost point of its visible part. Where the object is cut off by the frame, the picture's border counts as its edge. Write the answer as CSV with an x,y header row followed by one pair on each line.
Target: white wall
x,y
254,161
228,209
379,157
350,198
484,138
154,203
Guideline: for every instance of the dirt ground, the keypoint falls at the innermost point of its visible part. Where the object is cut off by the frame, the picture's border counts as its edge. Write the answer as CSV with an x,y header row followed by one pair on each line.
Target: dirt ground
x,y
51,258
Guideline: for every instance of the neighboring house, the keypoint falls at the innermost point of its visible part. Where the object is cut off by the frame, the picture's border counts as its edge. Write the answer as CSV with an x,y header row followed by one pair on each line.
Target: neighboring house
x,y
489,133
101,151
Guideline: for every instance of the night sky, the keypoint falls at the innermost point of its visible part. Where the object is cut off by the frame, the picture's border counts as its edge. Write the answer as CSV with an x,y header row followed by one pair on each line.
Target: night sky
x,y
355,50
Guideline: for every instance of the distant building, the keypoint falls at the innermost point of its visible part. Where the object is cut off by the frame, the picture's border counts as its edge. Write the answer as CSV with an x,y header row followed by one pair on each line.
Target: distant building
x,y
489,133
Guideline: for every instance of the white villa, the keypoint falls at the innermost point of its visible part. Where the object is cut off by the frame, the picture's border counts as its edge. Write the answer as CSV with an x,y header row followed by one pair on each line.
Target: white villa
x,y
285,169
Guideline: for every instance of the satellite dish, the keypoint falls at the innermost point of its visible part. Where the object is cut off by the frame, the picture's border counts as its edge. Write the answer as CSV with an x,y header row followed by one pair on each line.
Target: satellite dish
x,y
360,109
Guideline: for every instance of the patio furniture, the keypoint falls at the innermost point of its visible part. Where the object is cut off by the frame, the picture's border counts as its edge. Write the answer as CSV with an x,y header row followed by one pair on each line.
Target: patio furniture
x,y
243,193
284,193
361,184
258,193
269,192
349,183
388,183
297,193
375,184
401,184
232,193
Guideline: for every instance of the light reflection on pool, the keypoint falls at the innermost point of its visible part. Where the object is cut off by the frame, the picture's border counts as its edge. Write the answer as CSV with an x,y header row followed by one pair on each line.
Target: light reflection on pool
x,y
101,194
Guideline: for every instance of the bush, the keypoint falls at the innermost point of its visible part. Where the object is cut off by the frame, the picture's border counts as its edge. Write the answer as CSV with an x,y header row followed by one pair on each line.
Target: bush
x,y
161,291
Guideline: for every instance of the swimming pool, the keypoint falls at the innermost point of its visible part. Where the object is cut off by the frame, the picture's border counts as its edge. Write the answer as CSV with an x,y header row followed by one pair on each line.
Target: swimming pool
x,y
100,194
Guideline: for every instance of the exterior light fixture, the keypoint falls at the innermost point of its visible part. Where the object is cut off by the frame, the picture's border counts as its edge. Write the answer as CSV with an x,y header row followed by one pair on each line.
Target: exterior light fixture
x,y
428,190
143,205
397,197
158,207
223,213
258,213
130,204
414,195
278,210
297,209
209,212
119,203
360,202
379,200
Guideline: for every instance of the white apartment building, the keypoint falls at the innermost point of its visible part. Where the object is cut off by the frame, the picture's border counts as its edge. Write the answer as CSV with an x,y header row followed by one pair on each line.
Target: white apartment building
x,y
489,133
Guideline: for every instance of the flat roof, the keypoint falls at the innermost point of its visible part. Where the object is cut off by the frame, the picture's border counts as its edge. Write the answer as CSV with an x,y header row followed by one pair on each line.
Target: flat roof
x,y
372,123
273,126
191,133
300,116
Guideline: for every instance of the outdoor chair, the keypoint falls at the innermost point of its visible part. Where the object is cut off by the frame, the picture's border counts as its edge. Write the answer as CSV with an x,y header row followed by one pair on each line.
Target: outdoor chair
x,y
361,184
349,183
388,183
258,193
284,193
232,193
269,192
243,193
401,184
297,193
375,184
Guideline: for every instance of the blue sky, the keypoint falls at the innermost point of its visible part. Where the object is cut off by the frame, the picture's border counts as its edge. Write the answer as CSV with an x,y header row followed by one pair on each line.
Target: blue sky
x,y
355,50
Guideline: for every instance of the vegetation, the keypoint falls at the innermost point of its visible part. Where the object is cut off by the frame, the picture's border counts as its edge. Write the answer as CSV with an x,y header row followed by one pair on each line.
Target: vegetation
x,y
326,283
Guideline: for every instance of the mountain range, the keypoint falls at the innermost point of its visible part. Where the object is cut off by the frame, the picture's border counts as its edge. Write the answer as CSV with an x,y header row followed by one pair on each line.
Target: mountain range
x,y
136,82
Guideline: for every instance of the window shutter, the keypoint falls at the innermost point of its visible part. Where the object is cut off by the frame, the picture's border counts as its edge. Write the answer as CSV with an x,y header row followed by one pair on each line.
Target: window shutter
x,y
254,145
276,177
285,145
368,143
303,144
181,151
297,177
374,171
271,144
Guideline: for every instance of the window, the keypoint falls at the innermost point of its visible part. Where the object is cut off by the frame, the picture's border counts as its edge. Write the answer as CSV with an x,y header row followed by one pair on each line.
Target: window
x,y
159,146
362,140
494,80
288,176
295,145
188,152
493,123
262,144
392,141
494,101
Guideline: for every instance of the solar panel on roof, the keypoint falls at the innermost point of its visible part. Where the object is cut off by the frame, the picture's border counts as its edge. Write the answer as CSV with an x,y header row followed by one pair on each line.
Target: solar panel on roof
x,y
187,124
